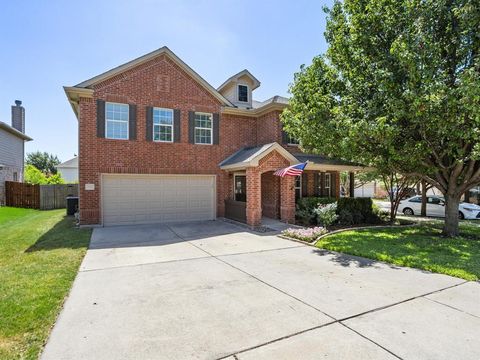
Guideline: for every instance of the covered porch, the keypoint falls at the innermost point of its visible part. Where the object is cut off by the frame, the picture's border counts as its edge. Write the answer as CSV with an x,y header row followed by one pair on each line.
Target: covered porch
x,y
255,192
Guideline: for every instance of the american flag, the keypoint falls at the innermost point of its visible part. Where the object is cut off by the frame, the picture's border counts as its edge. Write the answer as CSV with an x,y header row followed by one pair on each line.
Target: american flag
x,y
293,170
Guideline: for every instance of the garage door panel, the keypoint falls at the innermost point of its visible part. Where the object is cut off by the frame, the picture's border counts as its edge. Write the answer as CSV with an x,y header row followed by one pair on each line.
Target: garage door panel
x,y
140,199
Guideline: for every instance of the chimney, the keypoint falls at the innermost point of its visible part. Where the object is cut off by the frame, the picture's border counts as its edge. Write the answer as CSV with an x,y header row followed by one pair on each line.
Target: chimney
x,y
18,116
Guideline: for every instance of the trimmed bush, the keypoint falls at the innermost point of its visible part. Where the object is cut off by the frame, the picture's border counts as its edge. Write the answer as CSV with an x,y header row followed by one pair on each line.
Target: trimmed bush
x,y
359,210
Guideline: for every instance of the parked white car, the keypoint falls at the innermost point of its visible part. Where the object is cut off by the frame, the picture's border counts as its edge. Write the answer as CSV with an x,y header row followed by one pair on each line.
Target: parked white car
x,y
436,207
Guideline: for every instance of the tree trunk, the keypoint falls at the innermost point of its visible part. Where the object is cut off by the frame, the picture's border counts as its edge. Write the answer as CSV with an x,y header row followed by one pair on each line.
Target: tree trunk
x,y
450,228
423,210
393,213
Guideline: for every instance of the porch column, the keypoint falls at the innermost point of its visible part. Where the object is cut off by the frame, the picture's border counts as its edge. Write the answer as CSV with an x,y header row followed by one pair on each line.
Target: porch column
x,y
352,184
254,197
287,199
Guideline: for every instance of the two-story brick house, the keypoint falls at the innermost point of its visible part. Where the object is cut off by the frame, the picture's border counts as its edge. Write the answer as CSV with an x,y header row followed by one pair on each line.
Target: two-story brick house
x,y
157,143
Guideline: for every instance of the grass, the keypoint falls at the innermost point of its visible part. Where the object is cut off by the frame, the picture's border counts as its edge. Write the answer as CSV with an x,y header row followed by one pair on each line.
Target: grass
x,y
40,252
420,247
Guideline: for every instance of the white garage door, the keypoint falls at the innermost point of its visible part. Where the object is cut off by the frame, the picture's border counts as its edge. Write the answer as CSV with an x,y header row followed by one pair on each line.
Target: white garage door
x,y
144,199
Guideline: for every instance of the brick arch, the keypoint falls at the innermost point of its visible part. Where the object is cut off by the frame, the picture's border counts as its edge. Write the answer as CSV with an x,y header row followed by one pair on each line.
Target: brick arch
x,y
271,162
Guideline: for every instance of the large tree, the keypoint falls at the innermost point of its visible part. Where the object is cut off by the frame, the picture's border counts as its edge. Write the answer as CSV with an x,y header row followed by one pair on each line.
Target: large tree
x,y
43,161
398,89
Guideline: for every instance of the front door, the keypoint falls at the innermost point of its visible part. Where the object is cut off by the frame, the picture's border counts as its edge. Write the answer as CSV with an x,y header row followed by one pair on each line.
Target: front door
x,y
240,188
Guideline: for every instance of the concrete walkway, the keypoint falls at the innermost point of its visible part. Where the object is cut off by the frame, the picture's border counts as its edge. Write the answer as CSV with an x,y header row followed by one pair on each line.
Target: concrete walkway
x,y
213,290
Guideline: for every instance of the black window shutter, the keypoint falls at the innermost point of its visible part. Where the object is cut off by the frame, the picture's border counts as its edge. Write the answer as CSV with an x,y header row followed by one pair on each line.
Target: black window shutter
x,y
322,184
100,118
333,184
317,184
149,122
191,127
304,184
216,128
132,122
284,137
176,125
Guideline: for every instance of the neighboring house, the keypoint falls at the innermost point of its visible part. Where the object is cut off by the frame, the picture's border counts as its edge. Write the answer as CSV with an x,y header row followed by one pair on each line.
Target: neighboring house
x,y
157,143
69,170
368,189
12,148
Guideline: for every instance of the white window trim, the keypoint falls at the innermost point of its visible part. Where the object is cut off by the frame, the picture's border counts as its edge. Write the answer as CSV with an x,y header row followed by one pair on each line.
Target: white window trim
x,y
173,129
295,188
328,188
290,143
248,93
203,128
120,121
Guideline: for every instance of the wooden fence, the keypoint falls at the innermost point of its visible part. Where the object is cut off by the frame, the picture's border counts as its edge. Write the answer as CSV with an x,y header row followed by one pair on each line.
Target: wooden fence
x,y
44,197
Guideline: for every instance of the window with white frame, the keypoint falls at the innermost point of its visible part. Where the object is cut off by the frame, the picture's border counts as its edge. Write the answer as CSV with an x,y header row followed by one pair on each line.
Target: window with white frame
x,y
291,140
243,93
203,128
116,118
327,184
298,186
162,125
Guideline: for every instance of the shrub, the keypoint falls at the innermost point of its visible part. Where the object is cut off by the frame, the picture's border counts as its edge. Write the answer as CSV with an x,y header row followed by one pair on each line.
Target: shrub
x,y
305,209
357,211
35,176
326,214
308,235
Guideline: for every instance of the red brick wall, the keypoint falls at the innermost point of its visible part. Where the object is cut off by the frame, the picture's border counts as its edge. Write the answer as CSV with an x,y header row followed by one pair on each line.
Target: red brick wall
x,y
269,128
160,83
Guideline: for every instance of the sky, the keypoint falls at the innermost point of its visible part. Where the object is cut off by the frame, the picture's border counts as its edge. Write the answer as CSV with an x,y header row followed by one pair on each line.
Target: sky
x,y
45,45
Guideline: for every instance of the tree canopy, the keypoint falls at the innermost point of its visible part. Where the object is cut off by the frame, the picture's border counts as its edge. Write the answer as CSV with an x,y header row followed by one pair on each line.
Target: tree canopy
x,y
43,161
397,89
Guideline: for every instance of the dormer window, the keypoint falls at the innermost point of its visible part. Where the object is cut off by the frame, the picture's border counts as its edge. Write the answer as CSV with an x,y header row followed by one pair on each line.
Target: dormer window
x,y
243,93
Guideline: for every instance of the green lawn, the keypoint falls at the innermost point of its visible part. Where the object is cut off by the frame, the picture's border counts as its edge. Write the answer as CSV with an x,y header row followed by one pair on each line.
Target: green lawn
x,y
420,247
40,252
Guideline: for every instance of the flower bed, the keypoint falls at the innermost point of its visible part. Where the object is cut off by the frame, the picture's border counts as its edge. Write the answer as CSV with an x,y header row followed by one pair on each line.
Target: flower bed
x,y
308,235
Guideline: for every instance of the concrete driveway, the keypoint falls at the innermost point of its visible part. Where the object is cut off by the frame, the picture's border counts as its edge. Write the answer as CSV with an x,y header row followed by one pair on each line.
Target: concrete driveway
x,y
213,290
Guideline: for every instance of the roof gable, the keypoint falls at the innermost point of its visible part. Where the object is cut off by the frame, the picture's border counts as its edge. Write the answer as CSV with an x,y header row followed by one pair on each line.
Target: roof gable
x,y
237,76
72,163
131,64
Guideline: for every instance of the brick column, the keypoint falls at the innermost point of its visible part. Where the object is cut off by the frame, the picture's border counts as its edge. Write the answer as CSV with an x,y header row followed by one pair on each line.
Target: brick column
x,y
287,199
254,198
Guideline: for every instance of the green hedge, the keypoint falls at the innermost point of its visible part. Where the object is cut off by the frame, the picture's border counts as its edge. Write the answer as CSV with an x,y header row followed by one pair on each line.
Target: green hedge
x,y
356,211
350,211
